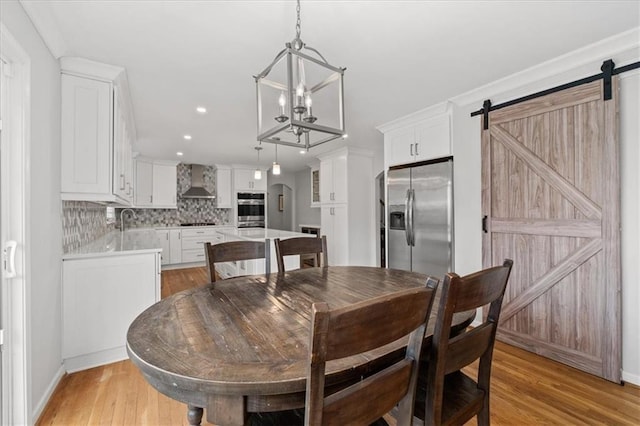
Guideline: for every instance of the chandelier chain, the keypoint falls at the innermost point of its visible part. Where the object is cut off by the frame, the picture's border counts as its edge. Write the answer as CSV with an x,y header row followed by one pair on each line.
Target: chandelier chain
x,y
298,20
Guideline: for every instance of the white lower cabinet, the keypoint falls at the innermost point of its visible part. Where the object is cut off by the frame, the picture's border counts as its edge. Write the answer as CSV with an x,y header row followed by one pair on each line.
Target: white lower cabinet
x,y
101,296
193,240
334,225
171,243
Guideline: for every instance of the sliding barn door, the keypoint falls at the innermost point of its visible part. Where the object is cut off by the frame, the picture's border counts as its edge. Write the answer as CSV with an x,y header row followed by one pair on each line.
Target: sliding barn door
x,y
550,193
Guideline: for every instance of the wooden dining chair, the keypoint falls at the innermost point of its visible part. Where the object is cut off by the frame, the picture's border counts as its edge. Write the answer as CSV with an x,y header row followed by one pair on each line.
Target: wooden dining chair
x,y
445,395
358,328
233,251
301,246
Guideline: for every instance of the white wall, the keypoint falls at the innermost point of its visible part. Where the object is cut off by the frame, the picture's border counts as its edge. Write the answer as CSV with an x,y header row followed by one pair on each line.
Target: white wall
x,y
44,238
623,49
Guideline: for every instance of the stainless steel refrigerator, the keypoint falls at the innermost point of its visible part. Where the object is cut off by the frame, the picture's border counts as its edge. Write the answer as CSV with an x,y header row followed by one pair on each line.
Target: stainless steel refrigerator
x,y
420,200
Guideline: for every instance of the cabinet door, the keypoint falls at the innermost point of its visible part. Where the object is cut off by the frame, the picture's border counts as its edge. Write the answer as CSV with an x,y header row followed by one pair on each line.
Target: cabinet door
x,y
242,179
223,188
120,145
333,180
86,137
432,139
165,244
164,185
401,145
326,181
340,183
335,228
144,183
176,245
315,187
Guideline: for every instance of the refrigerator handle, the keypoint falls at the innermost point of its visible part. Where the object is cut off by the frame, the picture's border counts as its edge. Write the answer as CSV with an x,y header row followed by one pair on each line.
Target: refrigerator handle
x,y
413,234
407,222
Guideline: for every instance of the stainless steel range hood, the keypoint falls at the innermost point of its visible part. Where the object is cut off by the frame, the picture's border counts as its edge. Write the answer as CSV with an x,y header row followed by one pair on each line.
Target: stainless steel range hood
x,y
197,184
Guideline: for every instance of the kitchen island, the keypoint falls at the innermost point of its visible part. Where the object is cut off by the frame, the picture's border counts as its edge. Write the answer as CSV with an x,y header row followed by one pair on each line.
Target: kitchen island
x,y
105,285
251,267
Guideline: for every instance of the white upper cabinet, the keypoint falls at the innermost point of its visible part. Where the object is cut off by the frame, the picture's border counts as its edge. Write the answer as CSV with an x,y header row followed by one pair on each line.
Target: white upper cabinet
x,y
243,180
97,133
144,183
122,152
333,179
164,185
86,137
421,136
223,187
156,183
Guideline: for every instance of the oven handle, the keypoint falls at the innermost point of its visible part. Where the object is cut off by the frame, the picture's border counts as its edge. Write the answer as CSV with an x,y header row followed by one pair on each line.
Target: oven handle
x,y
251,202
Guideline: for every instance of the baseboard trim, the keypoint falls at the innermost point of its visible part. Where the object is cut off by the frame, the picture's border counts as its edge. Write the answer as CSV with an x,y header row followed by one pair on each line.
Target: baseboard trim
x,y
41,405
95,359
627,377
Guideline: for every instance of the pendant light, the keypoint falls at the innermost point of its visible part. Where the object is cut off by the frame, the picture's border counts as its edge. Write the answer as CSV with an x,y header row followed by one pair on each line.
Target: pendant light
x,y
275,169
257,175
298,78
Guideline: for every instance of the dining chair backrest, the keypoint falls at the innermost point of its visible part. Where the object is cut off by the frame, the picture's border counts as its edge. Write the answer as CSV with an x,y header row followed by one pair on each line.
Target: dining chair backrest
x,y
446,395
358,328
301,246
233,251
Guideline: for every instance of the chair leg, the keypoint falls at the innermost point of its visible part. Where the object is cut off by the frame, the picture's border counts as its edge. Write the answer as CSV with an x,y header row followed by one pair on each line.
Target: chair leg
x,y
483,414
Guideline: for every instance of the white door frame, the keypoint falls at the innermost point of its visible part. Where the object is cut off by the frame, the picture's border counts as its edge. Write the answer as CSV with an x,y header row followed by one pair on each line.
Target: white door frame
x,y
15,216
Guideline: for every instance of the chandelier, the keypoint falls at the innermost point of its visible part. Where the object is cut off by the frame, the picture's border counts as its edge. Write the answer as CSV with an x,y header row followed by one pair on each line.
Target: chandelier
x,y
300,97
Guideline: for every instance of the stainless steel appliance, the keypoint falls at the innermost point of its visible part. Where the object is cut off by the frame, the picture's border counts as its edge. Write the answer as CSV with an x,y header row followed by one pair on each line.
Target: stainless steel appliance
x,y
420,199
251,210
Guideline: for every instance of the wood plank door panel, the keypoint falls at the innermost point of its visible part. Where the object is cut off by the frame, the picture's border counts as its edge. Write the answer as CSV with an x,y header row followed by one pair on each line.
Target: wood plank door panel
x,y
550,191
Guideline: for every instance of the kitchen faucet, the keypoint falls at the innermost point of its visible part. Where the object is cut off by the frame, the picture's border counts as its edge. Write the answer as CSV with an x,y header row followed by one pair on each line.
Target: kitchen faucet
x,y
122,218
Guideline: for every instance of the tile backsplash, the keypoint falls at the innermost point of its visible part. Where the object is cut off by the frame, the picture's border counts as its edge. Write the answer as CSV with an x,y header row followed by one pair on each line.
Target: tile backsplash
x,y
83,222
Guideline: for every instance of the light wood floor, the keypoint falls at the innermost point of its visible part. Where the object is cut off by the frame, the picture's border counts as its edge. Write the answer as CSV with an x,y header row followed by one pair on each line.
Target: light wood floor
x,y
526,390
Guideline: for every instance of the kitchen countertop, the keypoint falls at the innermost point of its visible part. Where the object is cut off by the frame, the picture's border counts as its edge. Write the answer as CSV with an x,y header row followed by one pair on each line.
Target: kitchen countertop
x,y
116,243
253,234
183,227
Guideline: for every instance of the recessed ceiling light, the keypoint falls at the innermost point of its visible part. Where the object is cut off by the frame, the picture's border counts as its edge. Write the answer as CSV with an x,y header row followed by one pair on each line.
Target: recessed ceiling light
x,y
201,110
179,154
345,136
303,151
187,137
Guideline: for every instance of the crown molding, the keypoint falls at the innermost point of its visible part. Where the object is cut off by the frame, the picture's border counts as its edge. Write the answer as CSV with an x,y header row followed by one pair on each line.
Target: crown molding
x,y
623,48
433,111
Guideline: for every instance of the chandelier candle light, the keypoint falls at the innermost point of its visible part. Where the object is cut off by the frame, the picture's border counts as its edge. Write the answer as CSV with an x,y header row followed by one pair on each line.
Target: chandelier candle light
x,y
297,79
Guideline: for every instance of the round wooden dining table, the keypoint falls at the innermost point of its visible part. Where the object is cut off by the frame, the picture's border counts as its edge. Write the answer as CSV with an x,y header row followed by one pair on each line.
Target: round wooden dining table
x,y
240,345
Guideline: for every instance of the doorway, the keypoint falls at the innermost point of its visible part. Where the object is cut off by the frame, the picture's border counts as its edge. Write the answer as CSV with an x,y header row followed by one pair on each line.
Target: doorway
x,y
14,122
280,207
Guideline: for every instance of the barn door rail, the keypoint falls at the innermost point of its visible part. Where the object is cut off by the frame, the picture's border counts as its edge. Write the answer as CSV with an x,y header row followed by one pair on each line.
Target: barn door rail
x,y
608,70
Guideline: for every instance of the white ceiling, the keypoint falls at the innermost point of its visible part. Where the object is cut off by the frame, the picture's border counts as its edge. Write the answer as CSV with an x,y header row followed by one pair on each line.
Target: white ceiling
x,y
401,56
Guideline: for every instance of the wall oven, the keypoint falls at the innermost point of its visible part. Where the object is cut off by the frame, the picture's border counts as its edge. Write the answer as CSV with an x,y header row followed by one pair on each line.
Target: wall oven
x,y
251,210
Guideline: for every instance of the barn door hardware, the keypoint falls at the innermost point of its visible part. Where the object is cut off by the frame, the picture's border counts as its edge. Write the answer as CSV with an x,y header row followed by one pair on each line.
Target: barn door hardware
x,y
608,70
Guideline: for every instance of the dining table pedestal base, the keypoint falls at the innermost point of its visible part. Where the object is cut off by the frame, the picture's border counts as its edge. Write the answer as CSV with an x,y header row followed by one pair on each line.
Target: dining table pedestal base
x,y
194,415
